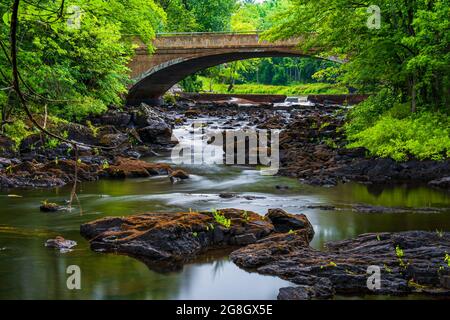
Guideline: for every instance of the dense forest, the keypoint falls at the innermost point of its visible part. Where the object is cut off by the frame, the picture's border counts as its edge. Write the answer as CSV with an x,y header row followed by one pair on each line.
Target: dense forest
x,y
133,166
68,71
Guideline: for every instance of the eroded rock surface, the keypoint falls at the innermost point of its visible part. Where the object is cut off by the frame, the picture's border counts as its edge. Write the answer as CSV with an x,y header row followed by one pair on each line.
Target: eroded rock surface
x,y
180,236
61,244
410,262
61,172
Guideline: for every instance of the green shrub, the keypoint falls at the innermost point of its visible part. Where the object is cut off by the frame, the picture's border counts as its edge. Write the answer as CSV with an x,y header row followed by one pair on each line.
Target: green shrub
x,y
169,98
424,136
80,109
17,131
289,90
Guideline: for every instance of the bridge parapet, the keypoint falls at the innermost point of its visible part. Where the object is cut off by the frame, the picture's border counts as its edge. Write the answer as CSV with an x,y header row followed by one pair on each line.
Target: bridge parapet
x,y
217,41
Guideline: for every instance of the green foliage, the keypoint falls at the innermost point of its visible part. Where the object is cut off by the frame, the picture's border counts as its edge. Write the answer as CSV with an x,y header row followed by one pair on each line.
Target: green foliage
x,y
290,90
407,54
447,259
169,98
399,252
329,265
105,164
79,71
52,143
191,84
423,136
400,255
93,128
17,131
211,15
220,218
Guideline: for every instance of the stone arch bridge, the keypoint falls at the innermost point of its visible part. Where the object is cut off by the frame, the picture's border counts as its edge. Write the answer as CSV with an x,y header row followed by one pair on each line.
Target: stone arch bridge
x,y
180,55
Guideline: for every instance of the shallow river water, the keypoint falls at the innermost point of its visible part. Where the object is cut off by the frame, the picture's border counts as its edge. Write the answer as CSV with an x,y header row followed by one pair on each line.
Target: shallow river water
x,y
28,270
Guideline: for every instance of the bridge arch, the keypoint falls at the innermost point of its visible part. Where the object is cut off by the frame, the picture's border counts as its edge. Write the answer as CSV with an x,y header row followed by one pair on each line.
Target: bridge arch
x,y
179,56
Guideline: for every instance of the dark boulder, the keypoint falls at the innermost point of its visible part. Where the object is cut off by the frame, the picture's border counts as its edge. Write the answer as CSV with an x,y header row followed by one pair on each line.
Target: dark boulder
x,y
131,168
7,147
175,236
443,183
179,174
61,244
285,222
409,262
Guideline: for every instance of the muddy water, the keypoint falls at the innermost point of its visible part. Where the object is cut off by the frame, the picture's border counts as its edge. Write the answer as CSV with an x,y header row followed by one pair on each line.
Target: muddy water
x,y
30,271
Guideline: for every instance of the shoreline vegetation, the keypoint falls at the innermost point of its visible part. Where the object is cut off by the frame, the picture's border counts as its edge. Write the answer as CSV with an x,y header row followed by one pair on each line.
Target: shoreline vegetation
x,y
64,120
294,89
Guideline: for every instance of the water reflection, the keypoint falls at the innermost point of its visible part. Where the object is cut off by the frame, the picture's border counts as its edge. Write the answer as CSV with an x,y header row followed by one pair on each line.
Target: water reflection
x,y
30,271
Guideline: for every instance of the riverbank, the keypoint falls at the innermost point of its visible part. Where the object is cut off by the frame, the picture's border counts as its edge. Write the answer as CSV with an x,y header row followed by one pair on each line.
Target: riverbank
x,y
342,212
312,147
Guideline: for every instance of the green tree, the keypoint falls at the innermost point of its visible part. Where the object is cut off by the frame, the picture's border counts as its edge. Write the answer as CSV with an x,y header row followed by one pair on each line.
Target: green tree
x,y
74,69
408,53
211,15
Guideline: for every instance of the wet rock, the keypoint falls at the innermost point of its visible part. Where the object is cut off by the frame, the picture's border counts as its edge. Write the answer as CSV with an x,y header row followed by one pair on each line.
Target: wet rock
x,y
61,244
49,207
312,148
179,174
174,236
227,195
445,282
115,118
245,239
418,268
394,210
192,113
285,222
443,183
4,163
133,154
56,173
321,289
79,133
152,125
31,174
30,143
113,139
131,168
7,147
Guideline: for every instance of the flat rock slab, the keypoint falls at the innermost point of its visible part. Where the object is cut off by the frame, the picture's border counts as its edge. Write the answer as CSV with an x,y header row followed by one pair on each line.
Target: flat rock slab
x,y
410,262
181,236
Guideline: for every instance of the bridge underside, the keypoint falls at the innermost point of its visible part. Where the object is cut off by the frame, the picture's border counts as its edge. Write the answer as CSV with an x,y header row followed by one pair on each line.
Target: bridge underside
x,y
158,80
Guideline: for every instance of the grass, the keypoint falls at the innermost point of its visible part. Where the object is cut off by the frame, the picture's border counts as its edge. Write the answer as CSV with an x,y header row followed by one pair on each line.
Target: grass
x,y
289,90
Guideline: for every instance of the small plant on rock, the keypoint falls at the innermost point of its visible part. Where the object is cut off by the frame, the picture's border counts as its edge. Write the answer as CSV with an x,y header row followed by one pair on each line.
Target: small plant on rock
x,y
400,254
221,219
105,165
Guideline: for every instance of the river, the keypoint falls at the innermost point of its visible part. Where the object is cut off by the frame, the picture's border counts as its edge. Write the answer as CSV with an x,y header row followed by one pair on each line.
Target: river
x,y
28,270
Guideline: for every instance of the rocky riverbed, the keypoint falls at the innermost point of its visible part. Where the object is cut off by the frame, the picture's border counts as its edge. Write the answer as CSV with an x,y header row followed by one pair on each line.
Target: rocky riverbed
x,y
312,147
265,242
278,244
175,238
